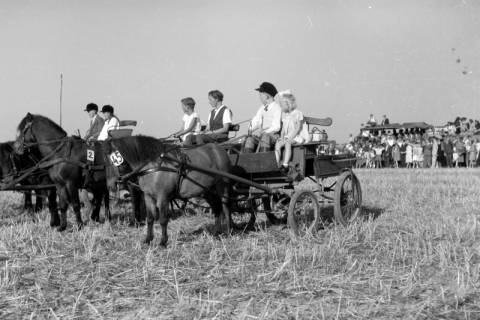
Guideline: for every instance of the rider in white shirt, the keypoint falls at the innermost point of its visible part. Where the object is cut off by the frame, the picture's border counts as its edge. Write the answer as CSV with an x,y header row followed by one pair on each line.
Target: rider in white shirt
x,y
111,122
191,125
266,124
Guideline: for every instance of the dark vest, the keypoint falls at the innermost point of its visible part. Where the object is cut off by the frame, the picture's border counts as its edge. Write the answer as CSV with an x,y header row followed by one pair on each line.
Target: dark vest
x,y
217,122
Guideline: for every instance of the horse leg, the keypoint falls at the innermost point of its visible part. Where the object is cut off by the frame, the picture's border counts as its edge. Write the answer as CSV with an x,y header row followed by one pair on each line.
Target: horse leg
x,y
27,204
75,200
39,200
63,199
52,207
151,209
216,206
162,205
223,191
138,204
97,203
106,199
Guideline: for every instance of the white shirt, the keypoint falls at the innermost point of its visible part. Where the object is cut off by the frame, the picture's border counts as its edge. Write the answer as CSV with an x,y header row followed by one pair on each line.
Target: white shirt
x,y
187,122
227,116
112,124
268,120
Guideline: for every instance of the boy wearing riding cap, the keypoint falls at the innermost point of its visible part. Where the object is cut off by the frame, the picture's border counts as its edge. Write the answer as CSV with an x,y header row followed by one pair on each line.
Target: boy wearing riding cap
x,y
265,125
96,122
111,122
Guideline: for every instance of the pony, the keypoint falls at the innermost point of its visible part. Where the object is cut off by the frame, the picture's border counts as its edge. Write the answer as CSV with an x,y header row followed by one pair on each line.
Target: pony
x,y
11,165
163,174
65,159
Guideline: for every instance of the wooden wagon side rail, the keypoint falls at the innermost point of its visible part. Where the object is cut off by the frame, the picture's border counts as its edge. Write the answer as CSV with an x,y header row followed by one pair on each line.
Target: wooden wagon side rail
x,y
227,175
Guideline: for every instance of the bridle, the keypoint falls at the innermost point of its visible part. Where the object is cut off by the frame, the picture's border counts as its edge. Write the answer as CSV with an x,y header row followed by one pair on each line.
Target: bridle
x,y
21,139
27,145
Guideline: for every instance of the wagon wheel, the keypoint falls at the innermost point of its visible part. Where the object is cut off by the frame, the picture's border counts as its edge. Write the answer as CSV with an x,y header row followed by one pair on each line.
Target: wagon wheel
x,y
242,214
348,197
276,208
304,212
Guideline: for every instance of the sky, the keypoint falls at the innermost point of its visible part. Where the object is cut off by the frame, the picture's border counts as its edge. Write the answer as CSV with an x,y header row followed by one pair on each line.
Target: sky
x,y
414,60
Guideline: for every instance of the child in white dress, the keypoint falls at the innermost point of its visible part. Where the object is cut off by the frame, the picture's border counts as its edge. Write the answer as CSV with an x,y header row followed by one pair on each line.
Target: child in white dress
x,y
294,130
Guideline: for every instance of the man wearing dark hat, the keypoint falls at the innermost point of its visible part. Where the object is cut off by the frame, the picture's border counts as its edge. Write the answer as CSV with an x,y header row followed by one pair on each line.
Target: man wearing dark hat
x,y
111,122
96,122
265,125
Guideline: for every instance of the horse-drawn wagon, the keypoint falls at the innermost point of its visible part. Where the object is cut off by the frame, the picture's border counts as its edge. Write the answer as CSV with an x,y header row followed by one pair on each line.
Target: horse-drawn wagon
x,y
258,184
230,181
300,203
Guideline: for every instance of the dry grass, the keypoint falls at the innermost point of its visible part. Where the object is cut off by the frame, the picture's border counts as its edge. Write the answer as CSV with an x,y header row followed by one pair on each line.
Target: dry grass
x,y
419,259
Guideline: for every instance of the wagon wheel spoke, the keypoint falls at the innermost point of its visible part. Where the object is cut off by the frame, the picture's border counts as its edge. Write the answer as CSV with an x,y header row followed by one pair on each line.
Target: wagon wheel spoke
x,y
348,198
243,215
304,213
276,208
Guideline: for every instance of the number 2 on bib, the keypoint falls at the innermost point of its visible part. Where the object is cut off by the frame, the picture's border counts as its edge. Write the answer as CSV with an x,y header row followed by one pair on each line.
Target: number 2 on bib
x,y
90,155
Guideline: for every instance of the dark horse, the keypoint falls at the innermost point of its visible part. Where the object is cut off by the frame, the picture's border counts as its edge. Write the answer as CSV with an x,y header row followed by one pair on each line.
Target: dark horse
x,y
11,166
66,161
162,180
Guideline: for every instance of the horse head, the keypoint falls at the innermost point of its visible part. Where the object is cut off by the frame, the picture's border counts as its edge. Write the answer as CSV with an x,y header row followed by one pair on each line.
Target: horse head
x,y
127,156
24,134
36,129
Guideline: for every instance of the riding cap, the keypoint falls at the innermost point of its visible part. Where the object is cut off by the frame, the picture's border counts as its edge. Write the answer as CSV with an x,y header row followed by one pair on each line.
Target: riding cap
x,y
268,88
91,106
107,108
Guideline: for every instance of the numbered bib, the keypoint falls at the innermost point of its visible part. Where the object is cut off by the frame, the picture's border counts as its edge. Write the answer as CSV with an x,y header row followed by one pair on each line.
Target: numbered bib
x,y
90,155
116,159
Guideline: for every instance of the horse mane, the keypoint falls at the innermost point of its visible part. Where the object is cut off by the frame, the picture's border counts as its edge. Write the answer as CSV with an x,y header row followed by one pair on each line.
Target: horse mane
x,y
41,118
137,149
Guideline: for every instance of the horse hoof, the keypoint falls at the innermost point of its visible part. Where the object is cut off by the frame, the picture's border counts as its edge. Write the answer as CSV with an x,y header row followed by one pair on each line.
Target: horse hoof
x,y
147,241
54,223
61,228
163,244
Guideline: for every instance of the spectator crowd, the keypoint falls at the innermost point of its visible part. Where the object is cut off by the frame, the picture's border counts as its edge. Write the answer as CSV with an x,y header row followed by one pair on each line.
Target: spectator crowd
x,y
416,148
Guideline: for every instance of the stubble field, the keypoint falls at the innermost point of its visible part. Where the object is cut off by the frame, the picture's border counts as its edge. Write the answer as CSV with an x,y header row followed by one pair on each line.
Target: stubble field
x,y
415,254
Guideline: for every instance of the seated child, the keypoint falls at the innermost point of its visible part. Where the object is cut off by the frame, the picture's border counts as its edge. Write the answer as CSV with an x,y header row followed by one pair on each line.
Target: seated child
x,y
293,129
191,123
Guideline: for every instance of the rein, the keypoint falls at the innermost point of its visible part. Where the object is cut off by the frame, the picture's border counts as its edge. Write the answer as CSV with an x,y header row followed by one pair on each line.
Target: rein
x,y
34,144
41,164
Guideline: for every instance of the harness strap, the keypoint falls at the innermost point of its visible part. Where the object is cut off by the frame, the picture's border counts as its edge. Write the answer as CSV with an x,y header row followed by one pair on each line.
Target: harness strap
x,y
12,162
39,165
153,170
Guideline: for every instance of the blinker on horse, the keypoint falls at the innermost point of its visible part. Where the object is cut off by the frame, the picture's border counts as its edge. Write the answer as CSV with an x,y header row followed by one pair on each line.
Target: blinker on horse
x,y
67,157
162,180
